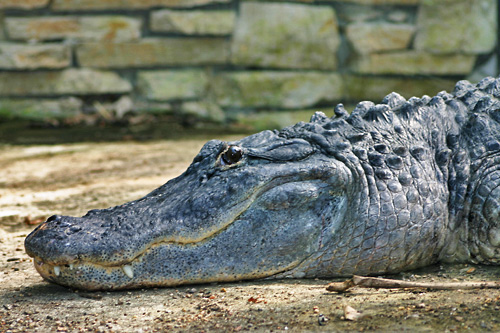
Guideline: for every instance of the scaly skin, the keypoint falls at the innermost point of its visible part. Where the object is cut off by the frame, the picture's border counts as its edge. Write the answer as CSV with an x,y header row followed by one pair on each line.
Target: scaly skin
x,y
391,187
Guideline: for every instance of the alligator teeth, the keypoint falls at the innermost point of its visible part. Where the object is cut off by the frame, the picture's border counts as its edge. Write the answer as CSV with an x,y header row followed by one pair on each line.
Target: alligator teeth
x,y
57,270
128,270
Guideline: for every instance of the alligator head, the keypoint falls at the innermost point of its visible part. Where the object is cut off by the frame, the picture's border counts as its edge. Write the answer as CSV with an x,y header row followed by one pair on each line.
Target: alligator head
x,y
249,209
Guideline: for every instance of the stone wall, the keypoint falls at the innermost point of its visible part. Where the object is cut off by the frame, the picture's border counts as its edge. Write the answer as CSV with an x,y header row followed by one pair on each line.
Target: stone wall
x,y
219,59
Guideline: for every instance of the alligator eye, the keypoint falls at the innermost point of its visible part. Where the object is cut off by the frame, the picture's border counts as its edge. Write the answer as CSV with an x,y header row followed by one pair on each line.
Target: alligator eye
x,y
232,155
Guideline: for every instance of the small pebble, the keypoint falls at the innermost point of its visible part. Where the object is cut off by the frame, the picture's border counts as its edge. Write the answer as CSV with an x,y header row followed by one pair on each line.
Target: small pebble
x,y
322,320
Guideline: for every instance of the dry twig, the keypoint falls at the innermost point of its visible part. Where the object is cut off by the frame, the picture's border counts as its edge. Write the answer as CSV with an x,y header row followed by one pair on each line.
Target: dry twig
x,y
373,282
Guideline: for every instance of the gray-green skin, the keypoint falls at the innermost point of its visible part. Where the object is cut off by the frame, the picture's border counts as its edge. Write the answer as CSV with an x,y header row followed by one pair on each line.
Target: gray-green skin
x,y
388,188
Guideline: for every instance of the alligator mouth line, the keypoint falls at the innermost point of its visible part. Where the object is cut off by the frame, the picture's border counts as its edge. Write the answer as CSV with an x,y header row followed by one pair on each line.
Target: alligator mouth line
x,y
53,272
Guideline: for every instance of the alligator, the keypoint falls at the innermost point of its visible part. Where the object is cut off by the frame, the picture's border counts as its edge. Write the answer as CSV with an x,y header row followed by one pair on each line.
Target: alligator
x,y
388,188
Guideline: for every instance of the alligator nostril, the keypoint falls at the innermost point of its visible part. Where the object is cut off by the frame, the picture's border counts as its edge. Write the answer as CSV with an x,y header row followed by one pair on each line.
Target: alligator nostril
x,y
58,221
54,218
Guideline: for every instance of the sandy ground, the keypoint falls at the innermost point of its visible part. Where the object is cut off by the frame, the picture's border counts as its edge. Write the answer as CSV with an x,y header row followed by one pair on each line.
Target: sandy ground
x,y
37,181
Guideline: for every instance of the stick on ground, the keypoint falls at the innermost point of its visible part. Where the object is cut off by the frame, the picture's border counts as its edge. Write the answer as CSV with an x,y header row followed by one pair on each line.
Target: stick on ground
x,y
373,282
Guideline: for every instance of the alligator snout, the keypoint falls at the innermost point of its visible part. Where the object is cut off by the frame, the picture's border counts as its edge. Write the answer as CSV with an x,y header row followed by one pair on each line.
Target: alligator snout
x,y
54,221
52,239
56,229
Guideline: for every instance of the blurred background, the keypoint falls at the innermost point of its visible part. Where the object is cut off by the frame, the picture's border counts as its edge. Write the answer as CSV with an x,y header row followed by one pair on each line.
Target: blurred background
x,y
140,69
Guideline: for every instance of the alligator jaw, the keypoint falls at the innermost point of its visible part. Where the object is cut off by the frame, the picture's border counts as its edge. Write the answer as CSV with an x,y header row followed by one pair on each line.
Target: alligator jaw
x,y
71,276
68,274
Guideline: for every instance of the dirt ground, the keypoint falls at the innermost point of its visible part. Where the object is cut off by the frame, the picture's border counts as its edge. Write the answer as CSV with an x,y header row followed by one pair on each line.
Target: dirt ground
x,y
37,181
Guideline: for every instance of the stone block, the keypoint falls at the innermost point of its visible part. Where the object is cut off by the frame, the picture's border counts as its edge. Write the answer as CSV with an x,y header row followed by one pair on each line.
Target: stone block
x,y
362,88
66,82
414,63
2,25
354,13
160,108
398,16
23,4
172,84
28,56
86,28
155,52
203,110
110,28
40,109
463,26
285,36
360,2
41,28
379,37
490,67
128,4
196,22
380,2
269,120
276,89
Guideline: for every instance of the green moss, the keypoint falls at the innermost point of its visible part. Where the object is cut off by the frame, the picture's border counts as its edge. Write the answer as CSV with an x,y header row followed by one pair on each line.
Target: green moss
x,y
39,109
269,120
272,89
